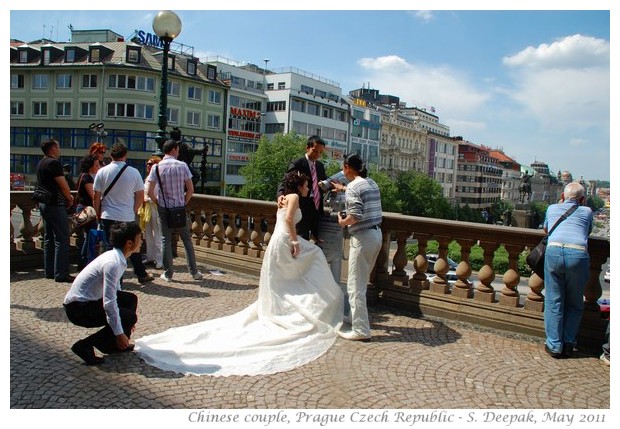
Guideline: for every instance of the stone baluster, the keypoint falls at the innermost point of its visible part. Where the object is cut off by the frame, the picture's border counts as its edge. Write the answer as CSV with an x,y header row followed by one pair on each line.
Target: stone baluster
x,y
218,231
207,229
399,275
463,288
243,235
511,278
440,283
418,281
255,247
196,225
534,299
484,290
231,232
26,229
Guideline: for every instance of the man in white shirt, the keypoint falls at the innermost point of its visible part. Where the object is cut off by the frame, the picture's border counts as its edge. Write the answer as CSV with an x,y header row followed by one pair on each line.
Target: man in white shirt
x,y
120,203
96,299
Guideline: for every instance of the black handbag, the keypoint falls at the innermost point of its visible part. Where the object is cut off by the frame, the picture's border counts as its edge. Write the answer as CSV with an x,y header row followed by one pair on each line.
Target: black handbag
x,y
536,258
177,216
42,195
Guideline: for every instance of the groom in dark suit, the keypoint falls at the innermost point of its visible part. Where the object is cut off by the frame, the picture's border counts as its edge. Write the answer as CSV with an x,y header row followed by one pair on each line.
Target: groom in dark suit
x,y
312,205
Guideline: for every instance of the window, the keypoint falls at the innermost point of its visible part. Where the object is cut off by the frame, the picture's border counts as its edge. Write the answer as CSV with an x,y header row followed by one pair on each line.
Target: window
x,y
63,81
89,81
173,115
63,108
130,110
281,85
269,86
297,105
327,112
40,81
23,56
274,128
174,89
307,89
194,93
95,55
313,109
88,108
191,68
17,81
47,55
193,118
132,82
320,93
17,107
215,97
39,108
276,106
70,56
133,54
213,121
171,62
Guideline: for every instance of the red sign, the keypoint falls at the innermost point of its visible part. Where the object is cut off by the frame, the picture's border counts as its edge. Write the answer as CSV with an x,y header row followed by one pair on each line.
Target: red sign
x,y
245,113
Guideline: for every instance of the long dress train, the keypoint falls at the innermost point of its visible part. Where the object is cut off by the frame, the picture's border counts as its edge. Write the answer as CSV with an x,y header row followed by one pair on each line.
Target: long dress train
x,y
292,323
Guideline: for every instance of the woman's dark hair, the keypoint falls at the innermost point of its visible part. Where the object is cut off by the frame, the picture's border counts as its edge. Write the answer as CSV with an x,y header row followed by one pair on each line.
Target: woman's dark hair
x,y
293,180
87,162
355,162
122,232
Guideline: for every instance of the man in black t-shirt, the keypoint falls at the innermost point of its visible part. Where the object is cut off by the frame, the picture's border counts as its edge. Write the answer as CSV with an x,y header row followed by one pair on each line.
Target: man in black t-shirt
x,y
50,176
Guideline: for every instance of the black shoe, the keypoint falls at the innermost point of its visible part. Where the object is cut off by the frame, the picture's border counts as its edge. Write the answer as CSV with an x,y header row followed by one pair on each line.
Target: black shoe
x,y
49,277
65,279
87,353
554,355
568,350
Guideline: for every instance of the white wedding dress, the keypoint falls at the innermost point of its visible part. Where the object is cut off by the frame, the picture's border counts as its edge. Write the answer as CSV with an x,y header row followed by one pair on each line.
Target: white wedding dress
x,y
292,323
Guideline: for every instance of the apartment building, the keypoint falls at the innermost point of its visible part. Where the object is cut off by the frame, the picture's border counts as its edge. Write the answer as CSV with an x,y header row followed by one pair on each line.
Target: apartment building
x,y
479,176
511,175
101,87
307,104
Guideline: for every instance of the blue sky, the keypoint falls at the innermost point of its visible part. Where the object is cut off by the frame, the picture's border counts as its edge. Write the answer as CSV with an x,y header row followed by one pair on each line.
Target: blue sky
x,y
535,83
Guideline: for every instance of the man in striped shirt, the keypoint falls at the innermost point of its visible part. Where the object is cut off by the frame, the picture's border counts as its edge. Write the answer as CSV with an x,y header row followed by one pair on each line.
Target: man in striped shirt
x,y
170,185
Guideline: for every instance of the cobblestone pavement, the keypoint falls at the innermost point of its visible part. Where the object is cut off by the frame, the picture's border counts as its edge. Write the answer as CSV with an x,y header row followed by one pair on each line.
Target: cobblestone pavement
x,y
412,363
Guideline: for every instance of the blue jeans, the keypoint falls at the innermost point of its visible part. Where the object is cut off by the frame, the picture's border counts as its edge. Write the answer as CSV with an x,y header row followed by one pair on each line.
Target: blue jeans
x,y
566,274
186,238
55,241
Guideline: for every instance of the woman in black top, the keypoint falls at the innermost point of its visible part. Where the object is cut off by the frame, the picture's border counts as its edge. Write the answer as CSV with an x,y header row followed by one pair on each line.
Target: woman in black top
x,y
88,169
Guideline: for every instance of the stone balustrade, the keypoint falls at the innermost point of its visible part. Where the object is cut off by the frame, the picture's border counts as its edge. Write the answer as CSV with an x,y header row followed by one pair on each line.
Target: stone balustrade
x,y
232,233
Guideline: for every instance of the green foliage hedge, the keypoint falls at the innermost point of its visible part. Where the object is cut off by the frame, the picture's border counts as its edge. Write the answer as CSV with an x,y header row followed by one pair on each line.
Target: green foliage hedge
x,y
476,257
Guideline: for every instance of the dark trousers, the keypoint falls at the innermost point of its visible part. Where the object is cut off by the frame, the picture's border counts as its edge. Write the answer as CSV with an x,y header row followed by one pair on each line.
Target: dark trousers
x,y
135,258
90,314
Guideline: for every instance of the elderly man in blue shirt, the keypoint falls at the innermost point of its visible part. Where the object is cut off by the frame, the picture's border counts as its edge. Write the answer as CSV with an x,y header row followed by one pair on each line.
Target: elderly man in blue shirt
x,y
567,268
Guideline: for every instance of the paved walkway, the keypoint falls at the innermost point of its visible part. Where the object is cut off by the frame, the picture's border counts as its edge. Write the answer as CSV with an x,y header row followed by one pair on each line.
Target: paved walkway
x,y
412,363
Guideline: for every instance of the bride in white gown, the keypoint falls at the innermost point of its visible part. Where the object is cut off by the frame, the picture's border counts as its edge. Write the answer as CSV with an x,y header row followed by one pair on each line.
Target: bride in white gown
x,y
293,322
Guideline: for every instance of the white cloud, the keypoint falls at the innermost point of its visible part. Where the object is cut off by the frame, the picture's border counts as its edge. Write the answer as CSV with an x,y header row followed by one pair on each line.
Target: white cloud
x,y
457,100
565,85
423,15
575,51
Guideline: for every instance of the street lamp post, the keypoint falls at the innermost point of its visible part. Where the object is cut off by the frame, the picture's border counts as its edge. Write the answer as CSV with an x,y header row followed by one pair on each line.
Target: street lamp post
x,y
166,26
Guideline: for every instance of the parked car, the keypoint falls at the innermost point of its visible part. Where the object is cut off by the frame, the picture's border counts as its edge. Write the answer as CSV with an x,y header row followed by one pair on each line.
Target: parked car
x,y
451,277
432,258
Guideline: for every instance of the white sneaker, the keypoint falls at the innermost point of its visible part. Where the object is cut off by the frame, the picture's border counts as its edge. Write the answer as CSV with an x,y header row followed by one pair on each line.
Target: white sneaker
x,y
605,359
198,275
165,278
353,336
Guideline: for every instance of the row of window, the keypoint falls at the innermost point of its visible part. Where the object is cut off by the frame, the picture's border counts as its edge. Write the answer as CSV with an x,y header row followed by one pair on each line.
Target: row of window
x,y
316,109
88,109
307,129
478,179
40,81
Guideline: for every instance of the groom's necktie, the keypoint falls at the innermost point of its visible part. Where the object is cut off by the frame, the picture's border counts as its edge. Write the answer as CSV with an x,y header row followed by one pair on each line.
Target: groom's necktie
x,y
315,186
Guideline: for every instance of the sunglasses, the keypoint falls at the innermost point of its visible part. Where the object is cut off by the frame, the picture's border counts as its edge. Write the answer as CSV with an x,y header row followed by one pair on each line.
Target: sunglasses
x,y
150,163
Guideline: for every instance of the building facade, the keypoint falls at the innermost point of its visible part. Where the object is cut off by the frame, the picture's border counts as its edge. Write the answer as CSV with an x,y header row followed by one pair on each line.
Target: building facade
x,y
479,176
79,92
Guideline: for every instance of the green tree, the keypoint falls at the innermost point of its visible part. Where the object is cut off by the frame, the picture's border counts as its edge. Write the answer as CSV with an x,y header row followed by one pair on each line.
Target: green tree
x,y
390,200
268,165
421,196
538,210
595,202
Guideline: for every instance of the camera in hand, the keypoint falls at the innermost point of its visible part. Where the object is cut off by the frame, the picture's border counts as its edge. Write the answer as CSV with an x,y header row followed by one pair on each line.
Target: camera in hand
x,y
343,214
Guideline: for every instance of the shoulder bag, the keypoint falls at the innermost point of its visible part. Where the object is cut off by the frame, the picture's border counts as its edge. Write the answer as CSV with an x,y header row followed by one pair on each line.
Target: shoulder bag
x,y
177,216
83,214
536,258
